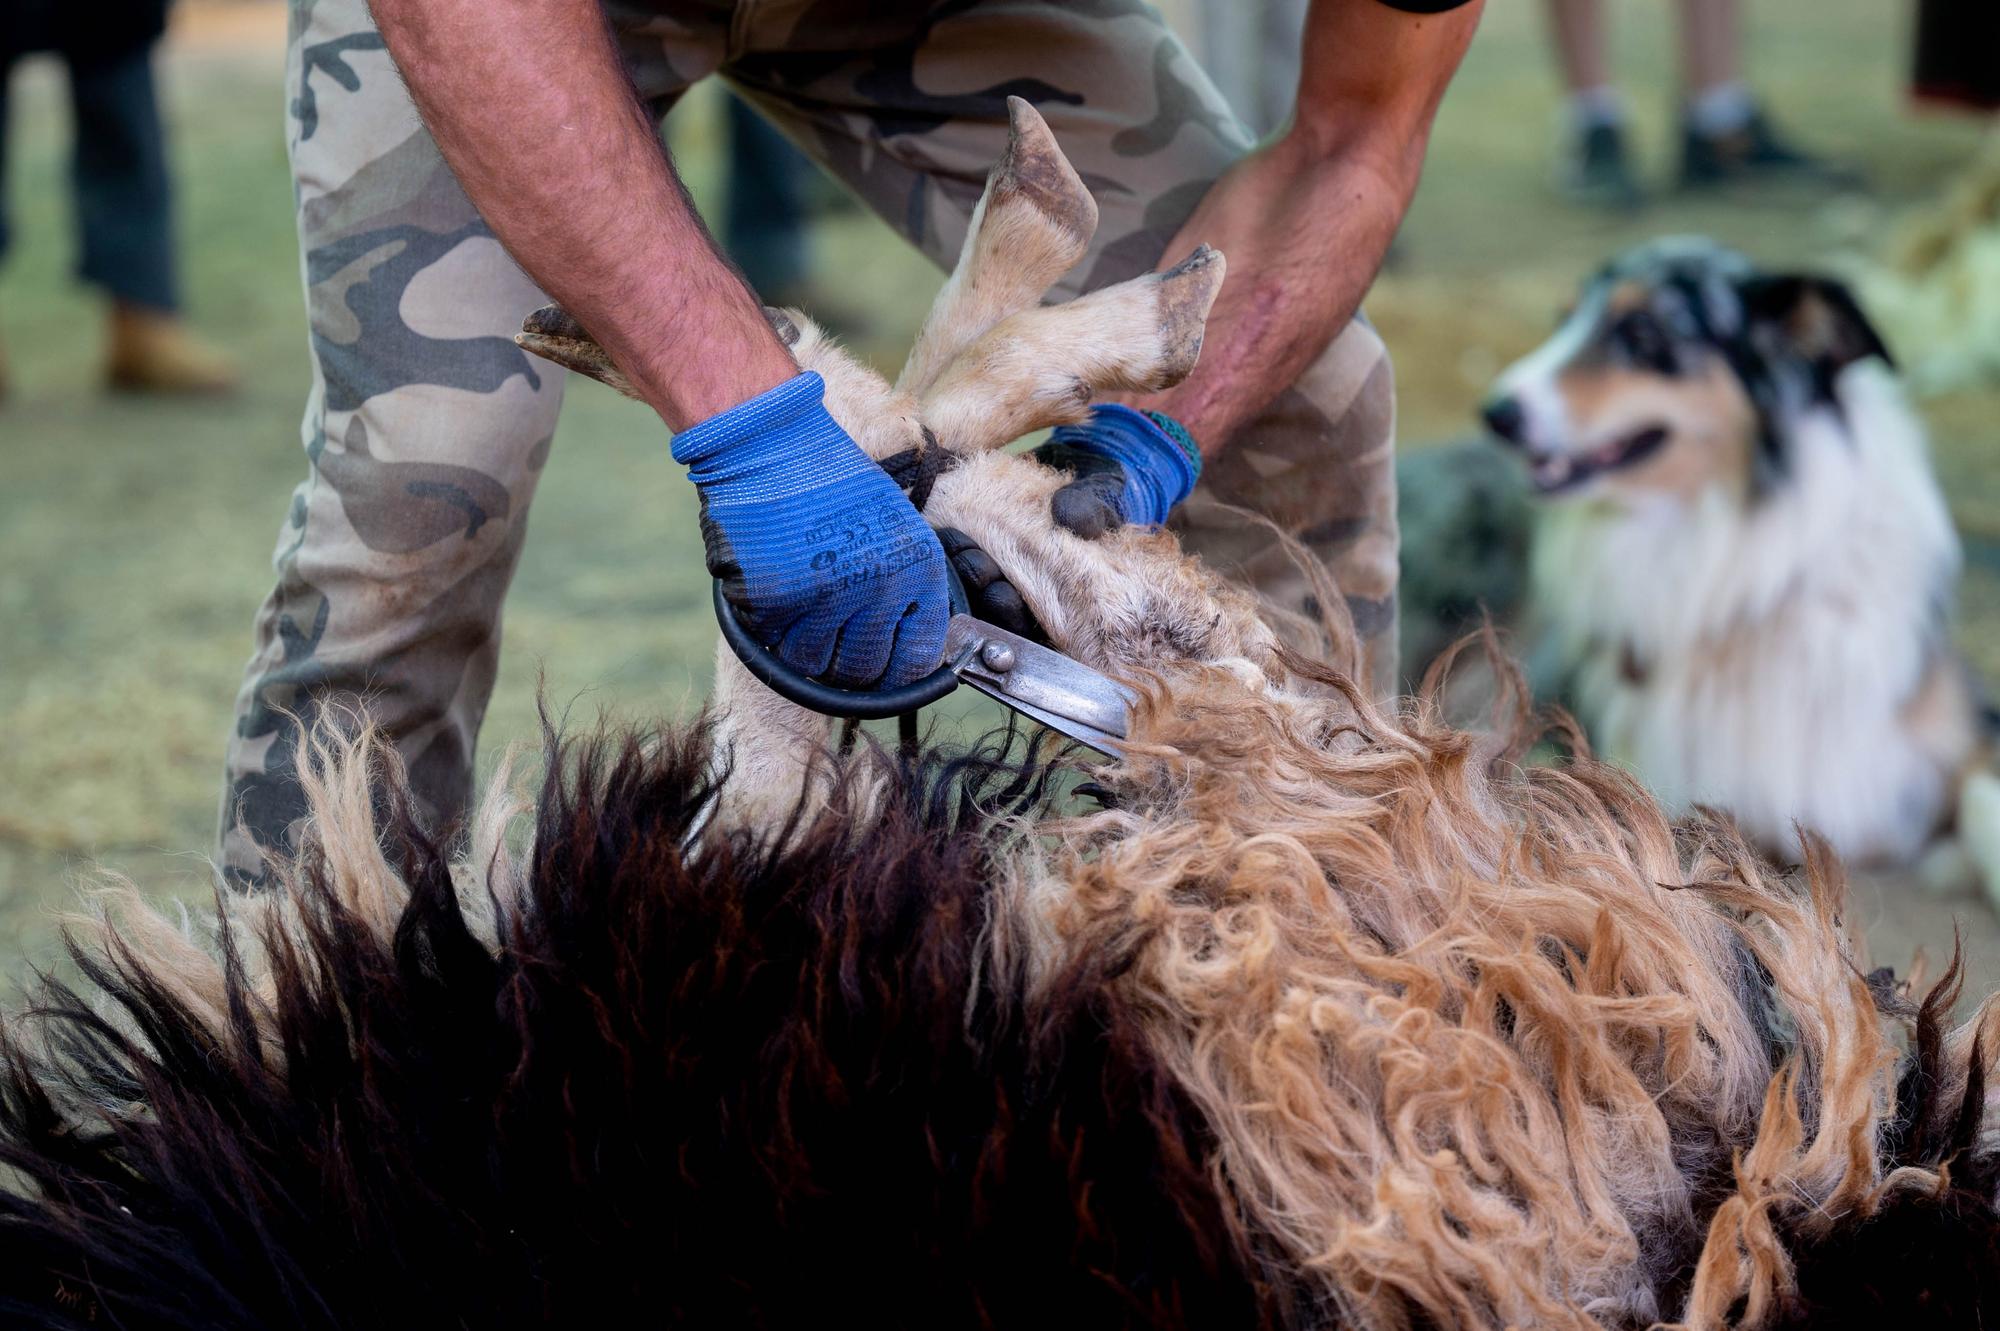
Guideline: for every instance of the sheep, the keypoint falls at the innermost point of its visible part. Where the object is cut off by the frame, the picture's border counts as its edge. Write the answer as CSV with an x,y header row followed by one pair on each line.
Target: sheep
x,y
1329,1014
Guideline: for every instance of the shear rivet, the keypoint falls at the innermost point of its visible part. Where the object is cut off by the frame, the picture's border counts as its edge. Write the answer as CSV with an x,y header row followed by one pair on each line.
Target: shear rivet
x,y
998,656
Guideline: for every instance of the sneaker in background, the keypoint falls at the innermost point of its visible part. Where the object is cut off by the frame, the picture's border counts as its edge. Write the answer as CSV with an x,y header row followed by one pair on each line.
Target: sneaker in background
x,y
1752,151
1594,169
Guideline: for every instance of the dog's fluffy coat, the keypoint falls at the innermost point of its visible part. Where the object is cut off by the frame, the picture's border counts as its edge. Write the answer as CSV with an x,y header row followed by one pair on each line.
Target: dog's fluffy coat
x,y
1713,642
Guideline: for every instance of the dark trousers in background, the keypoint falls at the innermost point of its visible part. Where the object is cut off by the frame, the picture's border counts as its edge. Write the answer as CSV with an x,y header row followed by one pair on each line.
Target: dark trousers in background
x,y
1958,53
764,215
118,175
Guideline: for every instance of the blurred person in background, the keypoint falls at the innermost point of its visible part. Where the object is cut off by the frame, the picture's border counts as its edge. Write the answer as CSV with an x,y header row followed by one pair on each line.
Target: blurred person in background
x,y
122,194
1726,136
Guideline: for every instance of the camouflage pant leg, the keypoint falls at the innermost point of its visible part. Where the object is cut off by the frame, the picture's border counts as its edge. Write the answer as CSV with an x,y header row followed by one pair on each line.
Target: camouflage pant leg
x,y
907,103
1320,461
424,432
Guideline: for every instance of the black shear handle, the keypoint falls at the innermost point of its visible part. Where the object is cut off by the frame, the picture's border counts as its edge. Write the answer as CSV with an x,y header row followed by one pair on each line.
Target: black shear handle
x,y
856,704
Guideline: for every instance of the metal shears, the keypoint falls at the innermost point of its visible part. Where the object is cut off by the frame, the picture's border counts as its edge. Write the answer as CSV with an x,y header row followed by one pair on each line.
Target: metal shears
x,y
1038,682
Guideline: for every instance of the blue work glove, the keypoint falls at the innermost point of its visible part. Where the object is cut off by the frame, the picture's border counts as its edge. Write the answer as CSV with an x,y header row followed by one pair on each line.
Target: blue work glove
x,y
820,555
1129,466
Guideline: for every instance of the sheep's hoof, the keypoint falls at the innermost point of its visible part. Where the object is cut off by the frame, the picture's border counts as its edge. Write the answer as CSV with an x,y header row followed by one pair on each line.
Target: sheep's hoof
x,y
1187,290
1035,172
554,335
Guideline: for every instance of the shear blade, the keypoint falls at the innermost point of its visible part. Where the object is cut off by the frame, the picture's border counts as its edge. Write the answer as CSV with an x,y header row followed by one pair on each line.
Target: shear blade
x,y
1040,683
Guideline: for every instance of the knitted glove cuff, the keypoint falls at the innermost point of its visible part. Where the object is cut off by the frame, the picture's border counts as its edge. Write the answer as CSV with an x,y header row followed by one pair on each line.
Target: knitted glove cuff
x,y
1177,432
780,443
1158,457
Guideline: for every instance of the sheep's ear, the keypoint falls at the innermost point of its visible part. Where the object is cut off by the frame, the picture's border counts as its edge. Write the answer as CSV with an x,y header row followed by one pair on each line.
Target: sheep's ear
x,y
1032,225
552,334
1044,366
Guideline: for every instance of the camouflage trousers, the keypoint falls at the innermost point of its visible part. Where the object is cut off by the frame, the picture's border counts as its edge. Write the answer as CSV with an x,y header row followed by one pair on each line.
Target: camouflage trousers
x,y
426,428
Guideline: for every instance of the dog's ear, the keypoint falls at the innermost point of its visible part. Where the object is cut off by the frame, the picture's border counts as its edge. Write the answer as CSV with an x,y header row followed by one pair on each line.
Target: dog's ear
x,y
1799,331
1814,318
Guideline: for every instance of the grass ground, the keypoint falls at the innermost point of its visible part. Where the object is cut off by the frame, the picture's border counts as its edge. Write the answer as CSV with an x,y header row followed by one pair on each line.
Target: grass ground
x,y
135,537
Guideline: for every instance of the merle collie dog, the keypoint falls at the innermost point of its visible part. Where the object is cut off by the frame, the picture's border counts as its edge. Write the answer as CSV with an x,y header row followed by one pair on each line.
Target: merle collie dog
x,y
1744,564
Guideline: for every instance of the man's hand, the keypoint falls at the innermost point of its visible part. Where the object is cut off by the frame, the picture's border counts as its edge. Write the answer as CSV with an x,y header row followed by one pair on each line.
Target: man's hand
x,y
993,597
1129,467
1306,219
821,556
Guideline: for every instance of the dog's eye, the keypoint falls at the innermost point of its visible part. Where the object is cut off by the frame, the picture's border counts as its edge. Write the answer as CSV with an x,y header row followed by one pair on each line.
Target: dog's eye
x,y
1645,342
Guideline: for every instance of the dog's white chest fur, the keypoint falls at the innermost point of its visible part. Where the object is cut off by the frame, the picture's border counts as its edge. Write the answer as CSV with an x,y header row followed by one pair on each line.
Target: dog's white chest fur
x,y
1762,656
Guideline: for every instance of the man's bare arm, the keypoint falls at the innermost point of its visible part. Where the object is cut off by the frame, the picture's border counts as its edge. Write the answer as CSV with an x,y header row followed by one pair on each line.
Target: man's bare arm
x,y
1305,220
530,105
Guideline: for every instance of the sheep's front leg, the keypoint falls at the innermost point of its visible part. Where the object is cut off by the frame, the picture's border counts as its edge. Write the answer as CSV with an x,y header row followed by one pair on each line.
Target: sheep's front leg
x,y
774,751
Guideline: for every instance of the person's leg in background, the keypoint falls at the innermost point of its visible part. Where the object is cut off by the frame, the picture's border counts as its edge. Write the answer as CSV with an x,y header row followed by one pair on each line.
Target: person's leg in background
x,y
1149,134
1711,34
1725,134
1593,164
773,196
425,431
124,205
1582,45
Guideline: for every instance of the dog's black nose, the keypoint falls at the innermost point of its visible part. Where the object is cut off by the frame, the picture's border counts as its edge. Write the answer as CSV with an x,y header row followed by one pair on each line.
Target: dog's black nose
x,y
1505,418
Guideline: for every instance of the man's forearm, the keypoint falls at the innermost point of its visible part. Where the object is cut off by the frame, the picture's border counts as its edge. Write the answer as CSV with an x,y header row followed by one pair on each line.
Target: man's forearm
x,y
531,108
1304,222
1303,239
